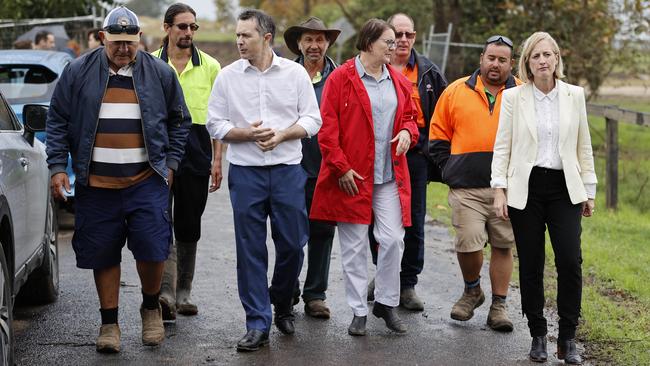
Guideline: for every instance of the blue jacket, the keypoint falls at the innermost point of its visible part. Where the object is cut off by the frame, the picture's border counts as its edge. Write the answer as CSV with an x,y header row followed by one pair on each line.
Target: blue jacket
x,y
74,113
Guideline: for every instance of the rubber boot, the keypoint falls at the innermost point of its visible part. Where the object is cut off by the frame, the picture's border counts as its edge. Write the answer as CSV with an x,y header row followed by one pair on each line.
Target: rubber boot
x,y
186,262
168,286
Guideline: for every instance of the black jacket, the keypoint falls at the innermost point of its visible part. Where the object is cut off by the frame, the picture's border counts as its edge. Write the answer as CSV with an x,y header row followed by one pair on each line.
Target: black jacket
x,y
431,83
311,155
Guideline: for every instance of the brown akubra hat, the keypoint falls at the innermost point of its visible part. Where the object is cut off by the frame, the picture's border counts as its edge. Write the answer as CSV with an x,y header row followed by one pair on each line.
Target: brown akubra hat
x,y
313,24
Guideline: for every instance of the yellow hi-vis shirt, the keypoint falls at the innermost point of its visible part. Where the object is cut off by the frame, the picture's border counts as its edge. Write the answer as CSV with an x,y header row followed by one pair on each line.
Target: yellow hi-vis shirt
x,y
196,80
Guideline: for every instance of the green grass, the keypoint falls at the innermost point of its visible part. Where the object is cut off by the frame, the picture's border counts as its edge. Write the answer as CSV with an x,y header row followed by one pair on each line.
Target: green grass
x,y
616,297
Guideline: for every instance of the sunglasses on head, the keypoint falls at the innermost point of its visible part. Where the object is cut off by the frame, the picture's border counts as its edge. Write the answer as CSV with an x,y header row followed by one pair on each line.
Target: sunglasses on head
x,y
183,26
409,35
503,39
119,29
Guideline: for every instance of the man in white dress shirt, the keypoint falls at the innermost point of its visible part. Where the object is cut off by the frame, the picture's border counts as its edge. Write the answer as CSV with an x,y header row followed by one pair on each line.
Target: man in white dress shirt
x,y
262,105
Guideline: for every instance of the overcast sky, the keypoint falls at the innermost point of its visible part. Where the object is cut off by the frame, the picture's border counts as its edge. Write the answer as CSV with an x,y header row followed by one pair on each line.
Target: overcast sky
x,y
204,8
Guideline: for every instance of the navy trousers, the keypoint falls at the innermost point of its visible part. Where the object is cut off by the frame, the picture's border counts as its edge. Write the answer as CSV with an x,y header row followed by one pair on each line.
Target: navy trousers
x,y
413,258
257,193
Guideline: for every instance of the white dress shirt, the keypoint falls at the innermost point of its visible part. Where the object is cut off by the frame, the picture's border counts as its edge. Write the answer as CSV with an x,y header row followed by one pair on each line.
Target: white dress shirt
x,y
280,97
547,113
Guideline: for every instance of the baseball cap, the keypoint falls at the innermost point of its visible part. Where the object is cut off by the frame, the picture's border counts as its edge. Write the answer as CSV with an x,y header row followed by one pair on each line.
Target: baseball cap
x,y
121,24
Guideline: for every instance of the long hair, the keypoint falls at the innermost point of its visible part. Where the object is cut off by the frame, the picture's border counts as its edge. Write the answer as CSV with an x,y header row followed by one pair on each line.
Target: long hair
x,y
172,12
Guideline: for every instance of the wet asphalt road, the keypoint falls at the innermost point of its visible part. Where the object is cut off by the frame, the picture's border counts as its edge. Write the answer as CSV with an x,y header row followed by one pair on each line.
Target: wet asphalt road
x,y
63,333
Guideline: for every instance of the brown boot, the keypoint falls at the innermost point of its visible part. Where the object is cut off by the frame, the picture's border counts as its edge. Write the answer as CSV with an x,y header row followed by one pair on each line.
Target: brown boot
x,y
153,331
168,287
464,308
498,316
408,299
109,339
186,263
317,309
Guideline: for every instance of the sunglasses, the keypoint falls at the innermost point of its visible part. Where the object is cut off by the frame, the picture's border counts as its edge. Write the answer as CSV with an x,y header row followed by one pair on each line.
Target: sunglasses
x,y
409,35
183,26
503,39
119,29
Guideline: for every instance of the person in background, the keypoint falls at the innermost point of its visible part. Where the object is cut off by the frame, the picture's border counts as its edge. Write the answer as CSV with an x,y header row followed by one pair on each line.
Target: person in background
x,y
25,44
543,177
94,40
368,126
196,72
461,140
44,40
310,41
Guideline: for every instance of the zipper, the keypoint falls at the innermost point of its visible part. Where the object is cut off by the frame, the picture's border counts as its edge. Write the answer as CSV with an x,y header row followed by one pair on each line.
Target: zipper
x,y
144,138
92,144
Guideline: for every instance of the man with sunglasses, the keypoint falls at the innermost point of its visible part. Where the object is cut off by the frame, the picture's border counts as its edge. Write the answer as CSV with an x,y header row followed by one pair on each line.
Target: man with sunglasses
x,y
428,83
461,142
196,72
122,116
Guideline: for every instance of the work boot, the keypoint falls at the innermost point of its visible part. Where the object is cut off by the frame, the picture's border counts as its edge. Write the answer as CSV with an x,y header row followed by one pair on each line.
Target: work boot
x,y
371,291
109,339
317,309
167,297
498,317
185,266
464,308
153,331
389,314
408,299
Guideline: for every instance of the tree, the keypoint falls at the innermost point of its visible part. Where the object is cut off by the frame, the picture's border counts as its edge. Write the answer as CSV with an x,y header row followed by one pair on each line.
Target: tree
x,y
225,14
150,8
28,9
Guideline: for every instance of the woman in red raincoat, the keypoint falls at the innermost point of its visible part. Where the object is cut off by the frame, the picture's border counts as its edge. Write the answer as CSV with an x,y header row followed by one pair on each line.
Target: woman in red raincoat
x,y
368,125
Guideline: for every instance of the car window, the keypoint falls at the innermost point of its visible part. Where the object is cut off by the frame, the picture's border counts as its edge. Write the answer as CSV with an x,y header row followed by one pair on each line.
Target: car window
x,y
6,121
23,84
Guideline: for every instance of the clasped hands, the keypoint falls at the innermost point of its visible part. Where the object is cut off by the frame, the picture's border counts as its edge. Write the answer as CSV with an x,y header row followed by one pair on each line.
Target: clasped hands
x,y
264,137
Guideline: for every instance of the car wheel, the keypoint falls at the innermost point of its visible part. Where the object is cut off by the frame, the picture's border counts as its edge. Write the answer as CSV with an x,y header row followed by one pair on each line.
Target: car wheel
x,y
6,313
43,284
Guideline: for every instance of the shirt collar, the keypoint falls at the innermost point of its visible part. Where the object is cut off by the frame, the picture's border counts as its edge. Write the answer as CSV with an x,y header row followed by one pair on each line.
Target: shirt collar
x,y
362,70
411,62
539,95
275,61
124,71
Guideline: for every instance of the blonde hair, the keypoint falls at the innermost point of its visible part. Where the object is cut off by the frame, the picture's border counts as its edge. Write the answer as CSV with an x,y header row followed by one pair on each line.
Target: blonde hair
x,y
524,72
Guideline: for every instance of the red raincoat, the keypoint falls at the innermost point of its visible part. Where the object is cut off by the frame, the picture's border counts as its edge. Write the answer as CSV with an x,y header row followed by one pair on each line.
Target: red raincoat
x,y
347,141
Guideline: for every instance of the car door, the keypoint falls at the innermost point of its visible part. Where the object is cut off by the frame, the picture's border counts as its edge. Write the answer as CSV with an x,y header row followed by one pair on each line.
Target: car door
x,y
22,175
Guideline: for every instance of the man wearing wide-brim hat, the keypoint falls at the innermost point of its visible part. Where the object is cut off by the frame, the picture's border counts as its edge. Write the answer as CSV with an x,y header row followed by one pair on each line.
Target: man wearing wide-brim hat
x,y
310,41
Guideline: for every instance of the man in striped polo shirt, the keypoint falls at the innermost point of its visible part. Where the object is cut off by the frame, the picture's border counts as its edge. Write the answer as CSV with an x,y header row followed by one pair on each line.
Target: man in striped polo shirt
x,y
196,72
121,115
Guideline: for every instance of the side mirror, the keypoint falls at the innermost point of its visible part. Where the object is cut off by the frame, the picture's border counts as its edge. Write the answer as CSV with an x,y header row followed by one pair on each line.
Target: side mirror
x,y
35,116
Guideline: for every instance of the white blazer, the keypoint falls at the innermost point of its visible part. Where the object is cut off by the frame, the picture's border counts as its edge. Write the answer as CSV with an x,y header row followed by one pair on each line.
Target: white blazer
x,y
515,148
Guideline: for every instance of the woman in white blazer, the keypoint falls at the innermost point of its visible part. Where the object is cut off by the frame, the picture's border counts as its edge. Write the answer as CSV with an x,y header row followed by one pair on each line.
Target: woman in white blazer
x,y
543,175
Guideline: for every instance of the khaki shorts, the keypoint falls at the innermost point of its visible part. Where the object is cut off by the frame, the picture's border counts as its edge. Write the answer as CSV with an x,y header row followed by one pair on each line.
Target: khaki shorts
x,y
475,222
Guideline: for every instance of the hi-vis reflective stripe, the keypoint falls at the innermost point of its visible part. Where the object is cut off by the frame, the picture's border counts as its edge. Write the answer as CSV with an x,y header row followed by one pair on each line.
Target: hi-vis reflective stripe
x,y
119,156
120,111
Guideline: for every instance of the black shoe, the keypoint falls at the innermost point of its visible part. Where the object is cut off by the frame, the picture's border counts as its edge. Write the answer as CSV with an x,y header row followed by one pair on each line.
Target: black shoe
x,y
358,326
567,351
252,341
538,349
371,291
284,322
389,314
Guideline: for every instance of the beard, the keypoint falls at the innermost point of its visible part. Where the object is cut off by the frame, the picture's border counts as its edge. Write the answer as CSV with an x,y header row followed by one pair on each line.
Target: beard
x,y
184,43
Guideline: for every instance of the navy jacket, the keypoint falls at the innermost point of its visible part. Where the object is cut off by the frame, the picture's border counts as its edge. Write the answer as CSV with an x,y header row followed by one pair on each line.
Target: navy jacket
x,y
431,84
311,156
74,113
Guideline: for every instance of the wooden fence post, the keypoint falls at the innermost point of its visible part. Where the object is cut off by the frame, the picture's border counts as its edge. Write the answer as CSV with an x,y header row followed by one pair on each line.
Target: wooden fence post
x,y
611,145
